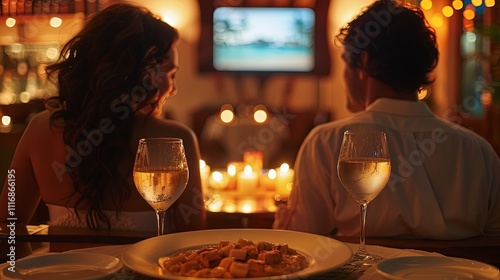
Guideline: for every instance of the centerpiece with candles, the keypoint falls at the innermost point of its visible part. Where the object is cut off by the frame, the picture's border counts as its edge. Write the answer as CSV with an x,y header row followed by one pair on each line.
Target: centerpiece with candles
x,y
246,187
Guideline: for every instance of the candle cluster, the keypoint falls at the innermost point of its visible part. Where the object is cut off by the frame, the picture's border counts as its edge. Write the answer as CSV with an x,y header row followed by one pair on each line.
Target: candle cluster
x,y
243,177
245,184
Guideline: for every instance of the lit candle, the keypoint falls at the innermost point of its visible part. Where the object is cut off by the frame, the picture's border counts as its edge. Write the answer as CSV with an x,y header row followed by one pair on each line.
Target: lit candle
x,y
284,179
247,181
232,169
204,173
218,180
6,124
268,180
254,159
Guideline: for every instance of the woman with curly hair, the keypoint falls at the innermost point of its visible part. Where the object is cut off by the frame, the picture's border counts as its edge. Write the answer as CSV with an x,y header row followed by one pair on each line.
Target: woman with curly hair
x,y
113,79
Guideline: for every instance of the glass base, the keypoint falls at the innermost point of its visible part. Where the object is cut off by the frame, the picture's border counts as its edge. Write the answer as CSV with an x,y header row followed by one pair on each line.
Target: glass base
x,y
362,257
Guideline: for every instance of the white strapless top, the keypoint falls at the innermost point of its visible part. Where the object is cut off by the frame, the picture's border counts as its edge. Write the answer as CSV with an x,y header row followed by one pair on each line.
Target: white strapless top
x,y
63,216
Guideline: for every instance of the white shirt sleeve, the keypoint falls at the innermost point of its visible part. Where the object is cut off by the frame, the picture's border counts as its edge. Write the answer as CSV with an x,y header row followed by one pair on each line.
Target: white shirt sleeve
x,y
312,174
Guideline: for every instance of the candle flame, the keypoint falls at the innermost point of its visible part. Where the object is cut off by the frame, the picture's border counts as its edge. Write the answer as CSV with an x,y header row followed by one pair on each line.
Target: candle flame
x,y
247,170
6,120
284,167
202,164
231,170
217,176
271,174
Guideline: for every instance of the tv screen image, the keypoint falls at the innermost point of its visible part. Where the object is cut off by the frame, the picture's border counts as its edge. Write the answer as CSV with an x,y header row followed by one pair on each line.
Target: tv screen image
x,y
263,39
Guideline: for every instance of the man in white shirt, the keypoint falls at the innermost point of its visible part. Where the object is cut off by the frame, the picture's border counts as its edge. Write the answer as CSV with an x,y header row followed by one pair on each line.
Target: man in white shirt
x,y
445,180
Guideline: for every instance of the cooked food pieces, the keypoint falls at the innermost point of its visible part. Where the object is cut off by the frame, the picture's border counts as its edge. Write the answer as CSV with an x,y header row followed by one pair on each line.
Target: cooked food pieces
x,y
235,260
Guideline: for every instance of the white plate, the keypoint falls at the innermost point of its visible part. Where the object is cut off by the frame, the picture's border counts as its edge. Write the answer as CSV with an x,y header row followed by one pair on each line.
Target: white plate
x,y
64,266
436,267
325,253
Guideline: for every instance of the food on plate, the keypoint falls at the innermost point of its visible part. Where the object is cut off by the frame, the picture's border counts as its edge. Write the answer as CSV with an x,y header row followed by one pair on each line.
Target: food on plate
x,y
235,260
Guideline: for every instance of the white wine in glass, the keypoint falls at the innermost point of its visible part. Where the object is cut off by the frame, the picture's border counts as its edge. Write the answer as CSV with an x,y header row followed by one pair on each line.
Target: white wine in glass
x,y
160,174
364,169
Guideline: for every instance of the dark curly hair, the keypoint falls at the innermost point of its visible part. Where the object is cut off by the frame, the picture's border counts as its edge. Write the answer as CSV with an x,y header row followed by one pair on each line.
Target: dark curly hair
x,y
401,45
104,76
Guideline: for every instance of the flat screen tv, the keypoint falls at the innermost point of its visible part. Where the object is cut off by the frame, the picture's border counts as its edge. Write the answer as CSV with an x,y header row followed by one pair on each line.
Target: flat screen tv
x,y
263,40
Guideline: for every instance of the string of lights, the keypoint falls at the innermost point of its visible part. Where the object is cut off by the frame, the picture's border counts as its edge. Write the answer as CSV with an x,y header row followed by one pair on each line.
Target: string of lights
x,y
468,8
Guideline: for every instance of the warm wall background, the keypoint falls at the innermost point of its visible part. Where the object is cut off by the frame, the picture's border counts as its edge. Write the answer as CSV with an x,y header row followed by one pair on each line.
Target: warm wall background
x,y
297,93
197,90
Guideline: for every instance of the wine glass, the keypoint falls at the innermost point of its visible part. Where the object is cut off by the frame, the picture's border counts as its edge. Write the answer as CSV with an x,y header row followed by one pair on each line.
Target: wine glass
x,y
364,168
160,173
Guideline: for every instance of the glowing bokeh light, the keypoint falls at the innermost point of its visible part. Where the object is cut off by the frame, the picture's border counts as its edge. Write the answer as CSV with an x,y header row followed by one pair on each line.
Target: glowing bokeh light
x,y
52,53
24,97
486,97
231,170
437,20
55,22
217,176
447,11
6,120
284,167
477,3
260,116
227,116
226,113
10,22
471,37
426,4
272,174
457,4
260,113
469,13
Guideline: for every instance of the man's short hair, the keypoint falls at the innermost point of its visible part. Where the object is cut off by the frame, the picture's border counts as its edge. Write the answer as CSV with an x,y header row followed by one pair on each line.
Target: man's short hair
x,y
401,45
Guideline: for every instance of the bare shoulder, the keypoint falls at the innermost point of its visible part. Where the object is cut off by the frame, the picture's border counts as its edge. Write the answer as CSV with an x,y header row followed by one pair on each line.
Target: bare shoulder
x,y
39,123
42,116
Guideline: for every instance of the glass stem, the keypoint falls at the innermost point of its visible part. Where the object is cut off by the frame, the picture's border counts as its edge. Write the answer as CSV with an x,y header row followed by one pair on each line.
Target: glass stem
x,y
362,219
160,219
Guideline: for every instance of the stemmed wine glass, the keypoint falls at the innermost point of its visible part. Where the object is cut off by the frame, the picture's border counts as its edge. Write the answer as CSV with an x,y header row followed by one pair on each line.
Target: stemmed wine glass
x,y
364,168
160,174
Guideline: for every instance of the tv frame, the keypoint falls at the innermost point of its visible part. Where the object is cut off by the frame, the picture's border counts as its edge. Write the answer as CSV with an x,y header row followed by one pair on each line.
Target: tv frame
x,y
321,47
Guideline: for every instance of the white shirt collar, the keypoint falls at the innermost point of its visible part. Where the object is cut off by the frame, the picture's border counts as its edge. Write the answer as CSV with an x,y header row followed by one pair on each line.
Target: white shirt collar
x,y
400,107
